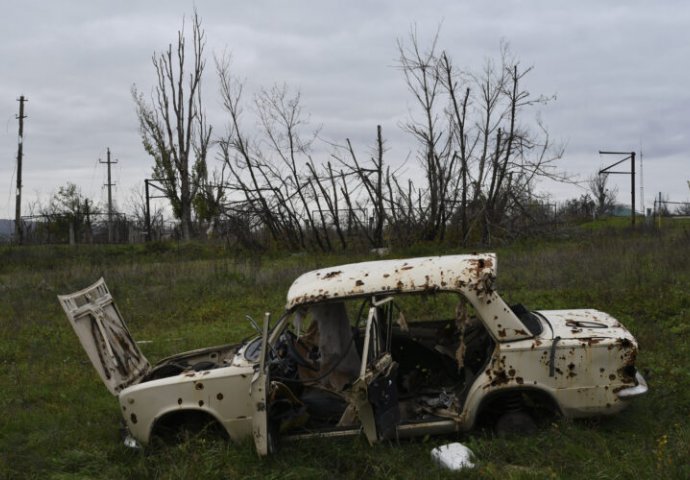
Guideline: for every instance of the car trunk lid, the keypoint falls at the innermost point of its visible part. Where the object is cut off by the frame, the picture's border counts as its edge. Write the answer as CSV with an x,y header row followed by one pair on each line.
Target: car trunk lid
x,y
585,324
105,337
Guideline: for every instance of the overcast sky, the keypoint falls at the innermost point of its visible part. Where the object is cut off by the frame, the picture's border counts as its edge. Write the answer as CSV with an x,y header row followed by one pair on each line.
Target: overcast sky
x,y
620,72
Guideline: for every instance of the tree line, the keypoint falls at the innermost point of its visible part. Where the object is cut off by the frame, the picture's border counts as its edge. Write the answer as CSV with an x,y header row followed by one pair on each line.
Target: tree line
x,y
478,147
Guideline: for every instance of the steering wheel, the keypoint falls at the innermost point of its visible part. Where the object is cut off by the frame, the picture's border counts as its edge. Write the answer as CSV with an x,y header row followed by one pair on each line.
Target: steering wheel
x,y
288,340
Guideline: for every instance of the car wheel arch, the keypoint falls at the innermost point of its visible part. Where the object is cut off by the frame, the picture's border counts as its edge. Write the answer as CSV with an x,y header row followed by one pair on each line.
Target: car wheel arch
x,y
191,419
530,399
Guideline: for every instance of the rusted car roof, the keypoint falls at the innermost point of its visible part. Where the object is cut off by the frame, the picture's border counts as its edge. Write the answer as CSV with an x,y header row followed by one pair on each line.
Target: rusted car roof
x,y
461,273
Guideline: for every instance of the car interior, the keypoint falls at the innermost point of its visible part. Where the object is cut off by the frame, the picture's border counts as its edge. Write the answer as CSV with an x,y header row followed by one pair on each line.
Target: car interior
x,y
436,345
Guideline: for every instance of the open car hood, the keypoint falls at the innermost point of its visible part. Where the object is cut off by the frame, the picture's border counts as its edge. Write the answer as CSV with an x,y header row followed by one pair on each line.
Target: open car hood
x,y
104,336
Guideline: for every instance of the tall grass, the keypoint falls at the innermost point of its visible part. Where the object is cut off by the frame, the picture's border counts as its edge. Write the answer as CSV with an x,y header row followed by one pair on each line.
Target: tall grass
x,y
60,422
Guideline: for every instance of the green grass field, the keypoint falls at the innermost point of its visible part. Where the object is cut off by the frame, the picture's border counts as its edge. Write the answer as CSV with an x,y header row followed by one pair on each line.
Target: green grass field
x,y
60,422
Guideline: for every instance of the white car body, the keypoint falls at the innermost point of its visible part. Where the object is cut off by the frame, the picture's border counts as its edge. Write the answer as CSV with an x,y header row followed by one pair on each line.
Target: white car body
x,y
576,363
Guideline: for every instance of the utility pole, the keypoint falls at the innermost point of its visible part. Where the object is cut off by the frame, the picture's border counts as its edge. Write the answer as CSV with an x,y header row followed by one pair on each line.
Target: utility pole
x,y
642,184
20,154
631,156
110,197
148,212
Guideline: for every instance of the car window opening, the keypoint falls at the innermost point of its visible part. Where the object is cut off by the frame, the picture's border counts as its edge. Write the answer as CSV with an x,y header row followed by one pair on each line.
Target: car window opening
x,y
437,346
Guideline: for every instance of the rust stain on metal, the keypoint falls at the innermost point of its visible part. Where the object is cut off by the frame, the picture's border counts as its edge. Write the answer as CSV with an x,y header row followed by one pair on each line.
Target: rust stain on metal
x,y
626,375
198,386
499,378
359,283
133,418
332,274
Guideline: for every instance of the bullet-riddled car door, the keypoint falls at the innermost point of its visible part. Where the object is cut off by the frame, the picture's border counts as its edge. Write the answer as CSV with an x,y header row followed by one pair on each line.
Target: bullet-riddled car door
x,y
263,439
374,392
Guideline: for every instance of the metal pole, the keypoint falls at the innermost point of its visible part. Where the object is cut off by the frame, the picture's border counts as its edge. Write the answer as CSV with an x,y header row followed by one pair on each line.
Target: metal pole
x,y
110,204
632,187
20,154
608,170
110,198
148,212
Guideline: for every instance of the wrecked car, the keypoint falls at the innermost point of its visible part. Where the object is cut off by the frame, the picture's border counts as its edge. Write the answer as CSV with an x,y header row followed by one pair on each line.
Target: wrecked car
x,y
390,349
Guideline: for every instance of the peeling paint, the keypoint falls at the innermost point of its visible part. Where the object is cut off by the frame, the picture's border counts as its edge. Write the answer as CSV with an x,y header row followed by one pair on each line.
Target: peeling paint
x,y
333,274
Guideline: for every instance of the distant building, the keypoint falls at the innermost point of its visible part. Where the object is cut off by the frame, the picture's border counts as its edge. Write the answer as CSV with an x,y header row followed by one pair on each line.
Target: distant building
x,y
622,211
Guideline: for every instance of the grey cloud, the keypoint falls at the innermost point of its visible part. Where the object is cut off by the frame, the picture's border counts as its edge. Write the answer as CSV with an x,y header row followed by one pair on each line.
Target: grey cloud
x,y
619,71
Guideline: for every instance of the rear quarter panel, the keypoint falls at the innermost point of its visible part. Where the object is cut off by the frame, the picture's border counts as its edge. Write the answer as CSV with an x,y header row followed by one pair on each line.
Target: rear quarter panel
x,y
583,382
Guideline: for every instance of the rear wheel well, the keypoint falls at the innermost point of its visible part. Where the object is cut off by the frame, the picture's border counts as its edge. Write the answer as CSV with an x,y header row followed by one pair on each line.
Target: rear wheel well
x,y
537,403
184,424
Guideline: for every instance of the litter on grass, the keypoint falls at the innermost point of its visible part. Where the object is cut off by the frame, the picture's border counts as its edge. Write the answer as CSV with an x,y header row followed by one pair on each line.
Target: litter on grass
x,y
453,456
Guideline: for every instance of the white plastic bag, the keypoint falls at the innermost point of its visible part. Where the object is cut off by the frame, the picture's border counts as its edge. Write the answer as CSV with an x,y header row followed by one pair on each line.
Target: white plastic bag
x,y
453,456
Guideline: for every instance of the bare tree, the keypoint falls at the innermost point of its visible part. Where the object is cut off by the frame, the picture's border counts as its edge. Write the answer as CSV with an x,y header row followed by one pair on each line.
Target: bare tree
x,y
458,117
136,208
270,169
424,80
173,125
604,197
475,150
280,114
372,179
479,157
